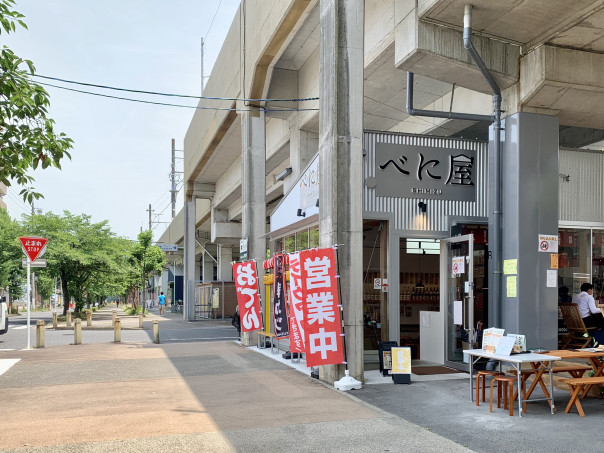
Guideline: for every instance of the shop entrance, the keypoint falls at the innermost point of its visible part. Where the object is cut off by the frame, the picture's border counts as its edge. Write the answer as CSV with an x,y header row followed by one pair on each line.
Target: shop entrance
x,y
465,259
419,287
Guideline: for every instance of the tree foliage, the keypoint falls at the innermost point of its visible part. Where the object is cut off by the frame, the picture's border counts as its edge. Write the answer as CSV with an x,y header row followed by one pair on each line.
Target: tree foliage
x,y
11,272
27,135
146,258
86,256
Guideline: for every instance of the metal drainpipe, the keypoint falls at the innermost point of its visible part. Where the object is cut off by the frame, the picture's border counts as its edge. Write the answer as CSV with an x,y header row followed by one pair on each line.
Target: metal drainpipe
x,y
495,158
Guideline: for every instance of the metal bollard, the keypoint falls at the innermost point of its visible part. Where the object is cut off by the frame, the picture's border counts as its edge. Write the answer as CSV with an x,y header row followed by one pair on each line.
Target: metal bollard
x,y
40,327
89,318
77,332
68,318
54,320
113,318
140,320
155,331
117,331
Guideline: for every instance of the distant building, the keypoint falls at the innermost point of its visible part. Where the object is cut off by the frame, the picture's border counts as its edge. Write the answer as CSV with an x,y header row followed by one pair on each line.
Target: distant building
x,y
2,194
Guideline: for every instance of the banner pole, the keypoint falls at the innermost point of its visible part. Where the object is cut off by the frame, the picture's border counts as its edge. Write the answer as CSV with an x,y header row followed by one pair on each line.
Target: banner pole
x,y
335,247
28,302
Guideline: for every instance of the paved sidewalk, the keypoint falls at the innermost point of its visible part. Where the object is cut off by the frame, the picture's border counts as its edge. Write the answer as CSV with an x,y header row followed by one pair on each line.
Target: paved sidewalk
x,y
193,397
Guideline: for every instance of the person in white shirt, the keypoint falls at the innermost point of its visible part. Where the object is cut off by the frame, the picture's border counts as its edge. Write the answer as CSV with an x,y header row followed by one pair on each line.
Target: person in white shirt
x,y
592,316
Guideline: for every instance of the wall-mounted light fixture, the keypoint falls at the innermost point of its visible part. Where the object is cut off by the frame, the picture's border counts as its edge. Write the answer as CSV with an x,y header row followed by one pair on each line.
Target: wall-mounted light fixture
x,y
281,176
422,206
317,203
301,213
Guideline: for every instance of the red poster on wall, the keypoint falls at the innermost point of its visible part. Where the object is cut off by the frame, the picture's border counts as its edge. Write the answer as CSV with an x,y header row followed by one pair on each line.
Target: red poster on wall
x,y
322,323
296,313
248,298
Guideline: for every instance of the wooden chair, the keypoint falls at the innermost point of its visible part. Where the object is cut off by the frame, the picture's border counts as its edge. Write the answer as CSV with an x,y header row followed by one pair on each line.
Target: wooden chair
x,y
578,335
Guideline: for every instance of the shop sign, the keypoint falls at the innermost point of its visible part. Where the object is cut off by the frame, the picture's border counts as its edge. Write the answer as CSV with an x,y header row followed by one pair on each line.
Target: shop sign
x,y
280,318
322,322
401,360
425,172
296,313
309,185
248,299
243,249
548,243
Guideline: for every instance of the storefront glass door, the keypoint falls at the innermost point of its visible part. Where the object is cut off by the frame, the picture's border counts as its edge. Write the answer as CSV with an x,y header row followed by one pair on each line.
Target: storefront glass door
x,y
458,253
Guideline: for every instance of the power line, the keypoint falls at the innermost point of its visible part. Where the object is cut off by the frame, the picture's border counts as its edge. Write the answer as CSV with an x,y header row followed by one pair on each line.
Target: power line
x,y
212,23
174,105
159,93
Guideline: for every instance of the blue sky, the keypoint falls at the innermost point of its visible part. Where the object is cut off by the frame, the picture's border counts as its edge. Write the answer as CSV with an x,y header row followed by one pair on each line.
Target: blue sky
x,y
121,157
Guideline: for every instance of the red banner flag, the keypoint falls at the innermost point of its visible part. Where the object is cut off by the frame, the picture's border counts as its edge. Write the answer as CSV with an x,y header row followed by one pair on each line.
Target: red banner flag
x,y
296,309
248,299
322,323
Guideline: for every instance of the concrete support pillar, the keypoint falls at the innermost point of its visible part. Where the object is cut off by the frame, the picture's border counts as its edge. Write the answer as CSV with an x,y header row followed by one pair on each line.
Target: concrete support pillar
x,y
89,318
341,164
189,261
54,320
77,331
113,317
207,271
225,260
253,188
303,146
40,336
530,208
140,320
68,320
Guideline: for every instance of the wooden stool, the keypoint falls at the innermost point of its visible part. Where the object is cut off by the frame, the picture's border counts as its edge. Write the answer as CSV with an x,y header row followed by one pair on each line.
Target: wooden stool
x,y
483,374
507,383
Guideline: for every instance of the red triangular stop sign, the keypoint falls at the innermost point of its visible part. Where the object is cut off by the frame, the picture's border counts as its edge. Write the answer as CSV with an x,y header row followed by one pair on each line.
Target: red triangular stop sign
x,y
33,246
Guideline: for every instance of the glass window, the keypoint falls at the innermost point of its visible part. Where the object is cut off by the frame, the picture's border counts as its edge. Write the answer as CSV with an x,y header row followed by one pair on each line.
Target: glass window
x,y
574,254
289,244
302,240
597,250
313,238
423,246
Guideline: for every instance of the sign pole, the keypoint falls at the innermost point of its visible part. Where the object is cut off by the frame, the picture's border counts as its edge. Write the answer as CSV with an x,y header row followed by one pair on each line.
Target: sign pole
x,y
28,303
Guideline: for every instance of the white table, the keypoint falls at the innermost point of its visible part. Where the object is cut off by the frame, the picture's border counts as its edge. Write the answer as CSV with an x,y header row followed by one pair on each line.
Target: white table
x,y
516,360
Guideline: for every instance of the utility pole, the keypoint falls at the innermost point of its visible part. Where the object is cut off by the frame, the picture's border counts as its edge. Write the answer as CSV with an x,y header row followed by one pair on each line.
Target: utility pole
x,y
173,178
150,214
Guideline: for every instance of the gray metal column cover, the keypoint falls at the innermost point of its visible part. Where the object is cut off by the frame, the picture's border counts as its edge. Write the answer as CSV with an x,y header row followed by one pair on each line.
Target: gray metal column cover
x,y
253,188
530,208
189,261
341,163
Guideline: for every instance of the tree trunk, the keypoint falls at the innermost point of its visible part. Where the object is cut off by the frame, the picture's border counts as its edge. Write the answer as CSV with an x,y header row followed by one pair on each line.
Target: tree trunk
x,y
65,293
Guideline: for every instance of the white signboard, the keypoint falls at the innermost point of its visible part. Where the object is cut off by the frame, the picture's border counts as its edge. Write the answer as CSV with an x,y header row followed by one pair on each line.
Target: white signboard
x,y
168,247
377,283
458,265
37,263
552,278
457,312
385,285
548,243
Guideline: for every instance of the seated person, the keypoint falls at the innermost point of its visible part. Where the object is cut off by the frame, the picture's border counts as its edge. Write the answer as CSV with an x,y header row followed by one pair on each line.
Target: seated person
x,y
592,316
563,295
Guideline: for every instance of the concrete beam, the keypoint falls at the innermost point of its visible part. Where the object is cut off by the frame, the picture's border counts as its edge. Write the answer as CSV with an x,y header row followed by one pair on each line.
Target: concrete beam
x,y
200,190
565,81
438,52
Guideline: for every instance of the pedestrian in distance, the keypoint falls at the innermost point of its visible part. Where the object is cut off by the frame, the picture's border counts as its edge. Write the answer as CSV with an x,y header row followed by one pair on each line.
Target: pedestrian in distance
x,y
162,303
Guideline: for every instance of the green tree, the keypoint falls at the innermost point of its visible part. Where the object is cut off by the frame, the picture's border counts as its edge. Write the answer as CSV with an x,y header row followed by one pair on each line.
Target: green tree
x,y
27,135
146,258
83,254
12,275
